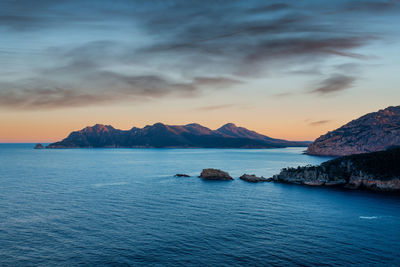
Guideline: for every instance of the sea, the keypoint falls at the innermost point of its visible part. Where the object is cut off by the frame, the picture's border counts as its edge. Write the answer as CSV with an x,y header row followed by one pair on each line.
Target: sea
x,y
124,207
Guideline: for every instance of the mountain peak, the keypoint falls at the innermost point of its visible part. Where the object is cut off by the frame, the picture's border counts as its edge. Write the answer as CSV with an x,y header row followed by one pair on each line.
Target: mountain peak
x,y
194,125
157,125
197,129
228,125
230,129
97,128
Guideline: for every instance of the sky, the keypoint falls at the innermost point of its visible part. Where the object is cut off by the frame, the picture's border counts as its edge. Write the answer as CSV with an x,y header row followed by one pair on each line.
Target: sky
x,y
287,69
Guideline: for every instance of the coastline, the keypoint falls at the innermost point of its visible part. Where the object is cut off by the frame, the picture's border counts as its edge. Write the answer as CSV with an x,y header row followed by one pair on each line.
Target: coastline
x,y
376,171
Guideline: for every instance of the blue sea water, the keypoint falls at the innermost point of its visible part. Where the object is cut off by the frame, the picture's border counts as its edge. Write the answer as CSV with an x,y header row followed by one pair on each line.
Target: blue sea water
x,y
124,207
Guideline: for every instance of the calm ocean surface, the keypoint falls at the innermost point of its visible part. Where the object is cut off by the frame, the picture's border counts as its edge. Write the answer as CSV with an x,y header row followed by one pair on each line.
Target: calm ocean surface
x,y
124,207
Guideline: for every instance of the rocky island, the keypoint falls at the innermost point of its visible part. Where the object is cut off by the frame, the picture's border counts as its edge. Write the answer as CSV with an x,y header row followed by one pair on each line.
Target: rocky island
x,y
182,175
377,171
215,174
252,178
372,132
173,136
38,146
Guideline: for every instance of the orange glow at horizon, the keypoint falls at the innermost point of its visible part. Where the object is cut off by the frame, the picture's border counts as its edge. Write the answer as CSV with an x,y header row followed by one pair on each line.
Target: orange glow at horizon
x,y
51,127
283,119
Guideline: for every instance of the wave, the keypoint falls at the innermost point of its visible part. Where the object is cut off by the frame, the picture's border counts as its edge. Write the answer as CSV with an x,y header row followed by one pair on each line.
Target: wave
x,y
368,217
109,184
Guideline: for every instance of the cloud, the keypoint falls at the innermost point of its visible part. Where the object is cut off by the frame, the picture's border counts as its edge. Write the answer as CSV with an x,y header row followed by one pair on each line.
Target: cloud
x,y
269,8
79,76
173,48
283,94
51,98
348,67
335,83
216,81
318,123
371,6
312,71
244,43
39,95
216,107
265,40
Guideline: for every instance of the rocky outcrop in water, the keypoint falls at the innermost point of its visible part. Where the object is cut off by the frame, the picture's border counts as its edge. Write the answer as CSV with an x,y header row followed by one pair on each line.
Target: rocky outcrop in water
x,y
253,178
215,174
181,175
161,135
372,132
378,171
38,146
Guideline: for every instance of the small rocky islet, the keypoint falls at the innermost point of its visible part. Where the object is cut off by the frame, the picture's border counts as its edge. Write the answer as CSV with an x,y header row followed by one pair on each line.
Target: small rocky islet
x,y
252,178
215,174
181,175
39,146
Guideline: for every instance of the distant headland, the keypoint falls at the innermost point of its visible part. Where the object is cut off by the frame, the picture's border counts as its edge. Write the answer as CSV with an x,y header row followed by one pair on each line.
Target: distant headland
x,y
171,136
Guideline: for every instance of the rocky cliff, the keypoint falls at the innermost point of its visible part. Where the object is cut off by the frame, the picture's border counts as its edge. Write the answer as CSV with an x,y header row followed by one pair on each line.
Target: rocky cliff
x,y
161,135
378,171
372,132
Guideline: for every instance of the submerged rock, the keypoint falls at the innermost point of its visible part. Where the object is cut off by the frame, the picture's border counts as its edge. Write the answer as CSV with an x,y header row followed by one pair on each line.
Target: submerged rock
x,y
252,178
215,174
39,146
181,175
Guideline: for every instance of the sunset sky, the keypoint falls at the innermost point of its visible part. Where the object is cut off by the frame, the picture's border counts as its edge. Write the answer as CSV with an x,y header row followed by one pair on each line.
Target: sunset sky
x,y
287,69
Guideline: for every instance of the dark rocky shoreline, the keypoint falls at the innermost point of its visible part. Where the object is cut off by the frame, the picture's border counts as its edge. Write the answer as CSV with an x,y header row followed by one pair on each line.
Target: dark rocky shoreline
x,y
376,171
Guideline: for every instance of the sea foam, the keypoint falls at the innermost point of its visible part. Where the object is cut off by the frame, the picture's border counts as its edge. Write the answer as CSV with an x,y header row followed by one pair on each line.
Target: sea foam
x,y
109,184
368,217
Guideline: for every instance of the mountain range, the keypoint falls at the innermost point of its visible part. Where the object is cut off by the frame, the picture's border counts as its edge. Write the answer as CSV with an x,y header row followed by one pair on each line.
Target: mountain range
x,y
372,132
180,136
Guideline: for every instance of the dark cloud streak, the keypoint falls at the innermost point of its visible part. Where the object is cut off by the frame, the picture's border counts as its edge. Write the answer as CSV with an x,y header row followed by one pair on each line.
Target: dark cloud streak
x,y
124,88
269,8
318,123
216,107
333,84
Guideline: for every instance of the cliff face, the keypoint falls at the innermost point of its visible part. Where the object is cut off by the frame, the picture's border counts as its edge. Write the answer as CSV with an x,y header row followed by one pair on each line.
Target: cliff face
x,y
378,171
161,135
372,132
